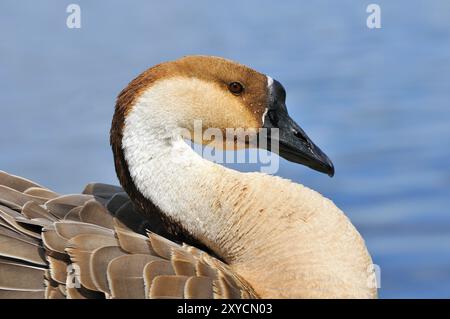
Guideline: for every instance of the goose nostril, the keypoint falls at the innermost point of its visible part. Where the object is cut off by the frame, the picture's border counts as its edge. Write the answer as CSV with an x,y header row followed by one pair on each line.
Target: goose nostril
x,y
301,137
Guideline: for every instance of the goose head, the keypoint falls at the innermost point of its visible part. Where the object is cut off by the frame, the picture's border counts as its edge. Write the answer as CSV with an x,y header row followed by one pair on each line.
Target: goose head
x,y
219,94
257,223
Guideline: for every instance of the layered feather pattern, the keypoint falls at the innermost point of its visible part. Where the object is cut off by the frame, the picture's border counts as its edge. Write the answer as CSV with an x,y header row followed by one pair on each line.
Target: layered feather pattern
x,y
88,246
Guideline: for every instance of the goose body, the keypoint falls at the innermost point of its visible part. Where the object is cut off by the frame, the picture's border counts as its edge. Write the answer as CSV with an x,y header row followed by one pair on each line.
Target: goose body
x,y
222,233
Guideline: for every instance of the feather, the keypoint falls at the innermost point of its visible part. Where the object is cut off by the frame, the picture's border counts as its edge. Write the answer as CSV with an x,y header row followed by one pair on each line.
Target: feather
x,y
227,290
33,210
90,242
21,294
95,213
53,241
70,229
202,269
132,219
105,191
125,275
162,246
80,249
154,269
11,205
100,259
35,224
133,243
41,192
58,269
74,293
15,182
157,268
13,196
16,248
62,289
74,214
181,253
54,293
9,216
74,289
101,254
11,232
14,276
60,206
164,287
199,288
183,268
6,211
117,201
195,252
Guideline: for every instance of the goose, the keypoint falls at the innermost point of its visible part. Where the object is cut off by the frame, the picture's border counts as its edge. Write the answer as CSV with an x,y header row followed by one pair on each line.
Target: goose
x,y
181,226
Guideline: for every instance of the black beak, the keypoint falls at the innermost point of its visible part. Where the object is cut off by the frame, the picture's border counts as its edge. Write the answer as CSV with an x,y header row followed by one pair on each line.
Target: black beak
x,y
294,144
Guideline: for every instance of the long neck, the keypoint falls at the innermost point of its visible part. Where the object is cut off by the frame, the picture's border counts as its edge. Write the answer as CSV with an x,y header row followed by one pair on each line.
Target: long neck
x,y
285,239
183,185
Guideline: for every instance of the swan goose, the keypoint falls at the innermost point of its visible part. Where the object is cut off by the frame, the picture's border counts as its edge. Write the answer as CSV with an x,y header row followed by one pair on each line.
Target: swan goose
x,y
222,233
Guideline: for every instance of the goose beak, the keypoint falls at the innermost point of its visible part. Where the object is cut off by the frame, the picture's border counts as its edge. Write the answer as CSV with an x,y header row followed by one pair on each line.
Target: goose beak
x,y
294,144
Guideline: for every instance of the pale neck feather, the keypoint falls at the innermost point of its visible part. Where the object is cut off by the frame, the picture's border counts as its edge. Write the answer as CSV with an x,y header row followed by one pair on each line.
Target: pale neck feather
x,y
283,238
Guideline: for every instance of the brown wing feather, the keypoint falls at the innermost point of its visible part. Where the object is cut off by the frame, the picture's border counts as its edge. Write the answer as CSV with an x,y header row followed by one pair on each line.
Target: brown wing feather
x,y
41,192
15,182
100,259
95,213
164,287
19,294
133,243
92,245
32,210
74,214
60,206
8,217
125,275
199,288
58,269
13,196
80,249
16,276
18,248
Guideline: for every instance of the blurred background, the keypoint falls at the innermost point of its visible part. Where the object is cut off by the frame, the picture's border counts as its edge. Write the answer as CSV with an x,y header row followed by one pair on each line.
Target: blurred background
x,y
375,100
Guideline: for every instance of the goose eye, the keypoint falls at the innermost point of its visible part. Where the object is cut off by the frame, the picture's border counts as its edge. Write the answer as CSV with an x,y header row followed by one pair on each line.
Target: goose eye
x,y
235,88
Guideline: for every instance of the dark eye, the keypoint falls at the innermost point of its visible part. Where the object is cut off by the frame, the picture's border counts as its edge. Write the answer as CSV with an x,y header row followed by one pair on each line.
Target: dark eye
x,y
235,88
